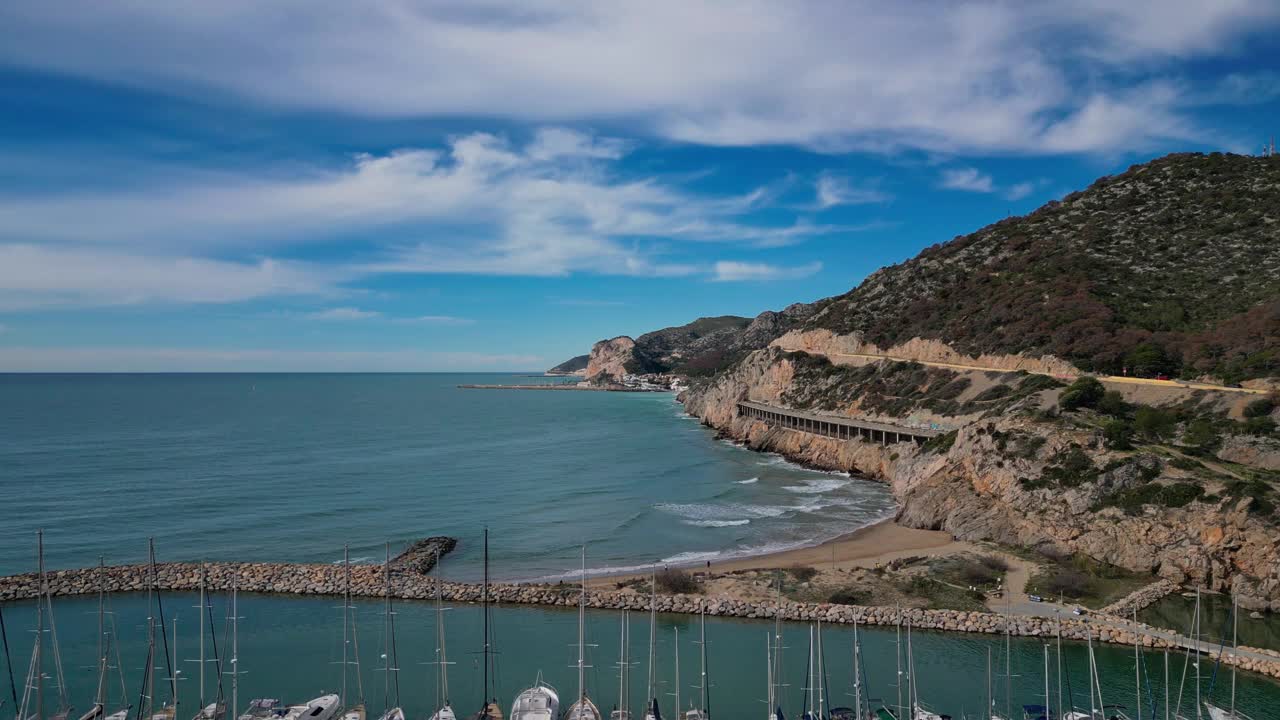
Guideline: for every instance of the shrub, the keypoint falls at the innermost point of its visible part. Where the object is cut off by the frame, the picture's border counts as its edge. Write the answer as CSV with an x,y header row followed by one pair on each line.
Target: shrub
x,y
802,573
1150,359
1153,423
1261,407
676,581
1086,392
1071,468
1118,435
1200,435
940,443
1113,404
1259,426
1068,582
849,596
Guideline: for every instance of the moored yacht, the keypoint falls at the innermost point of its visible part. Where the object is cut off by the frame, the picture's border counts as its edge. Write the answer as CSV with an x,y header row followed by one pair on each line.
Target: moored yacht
x,y
539,702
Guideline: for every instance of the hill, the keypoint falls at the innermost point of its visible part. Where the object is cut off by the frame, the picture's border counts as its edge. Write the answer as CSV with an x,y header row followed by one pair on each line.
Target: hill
x,y
572,366
1172,267
701,347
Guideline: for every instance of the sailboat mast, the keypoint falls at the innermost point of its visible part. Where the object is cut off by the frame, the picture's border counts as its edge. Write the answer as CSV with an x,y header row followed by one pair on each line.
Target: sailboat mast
x,y
235,648
38,655
1196,641
1089,641
653,633
484,603
1058,659
768,663
987,712
1137,668
442,692
622,663
8,659
676,650
1008,661
390,690
203,602
1046,680
101,697
898,661
822,672
857,677
702,642
1235,639
173,676
913,691
346,610
582,628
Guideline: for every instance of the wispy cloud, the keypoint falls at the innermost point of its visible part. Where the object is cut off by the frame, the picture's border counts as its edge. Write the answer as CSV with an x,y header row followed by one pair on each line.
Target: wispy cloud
x,y
957,77
733,271
1017,191
832,190
34,276
553,206
436,320
967,179
344,313
586,302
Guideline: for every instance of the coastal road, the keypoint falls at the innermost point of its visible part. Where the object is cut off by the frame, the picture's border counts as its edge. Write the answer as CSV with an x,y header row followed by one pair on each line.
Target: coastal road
x,y
1119,379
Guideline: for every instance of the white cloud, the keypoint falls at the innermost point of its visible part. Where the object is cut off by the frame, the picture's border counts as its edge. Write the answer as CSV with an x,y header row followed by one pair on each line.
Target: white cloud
x,y
832,190
733,271
1022,77
482,205
34,276
1020,190
166,359
967,179
436,320
344,313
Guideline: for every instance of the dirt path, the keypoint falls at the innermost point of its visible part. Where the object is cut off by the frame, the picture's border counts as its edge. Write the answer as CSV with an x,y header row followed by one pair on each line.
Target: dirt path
x,y
1116,379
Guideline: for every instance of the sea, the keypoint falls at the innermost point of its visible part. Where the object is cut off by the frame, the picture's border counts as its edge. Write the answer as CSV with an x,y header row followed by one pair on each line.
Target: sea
x,y
295,467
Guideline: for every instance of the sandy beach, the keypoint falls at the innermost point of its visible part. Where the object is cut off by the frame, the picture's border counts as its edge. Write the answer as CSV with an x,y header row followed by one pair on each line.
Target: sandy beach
x,y
866,547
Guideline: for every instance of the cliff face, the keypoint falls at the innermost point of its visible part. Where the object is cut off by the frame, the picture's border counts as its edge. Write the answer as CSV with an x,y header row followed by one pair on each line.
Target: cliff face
x,y
611,359
1005,479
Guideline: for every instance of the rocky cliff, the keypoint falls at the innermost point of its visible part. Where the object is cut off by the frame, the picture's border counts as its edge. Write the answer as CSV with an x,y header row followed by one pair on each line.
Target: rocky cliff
x,y
612,359
1016,475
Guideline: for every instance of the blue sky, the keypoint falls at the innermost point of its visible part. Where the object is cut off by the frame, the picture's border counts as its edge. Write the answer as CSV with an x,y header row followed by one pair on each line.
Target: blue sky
x,y
496,185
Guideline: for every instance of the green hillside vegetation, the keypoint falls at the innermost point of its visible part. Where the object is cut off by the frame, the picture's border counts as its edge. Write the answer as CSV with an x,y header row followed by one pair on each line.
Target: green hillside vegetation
x,y
1171,267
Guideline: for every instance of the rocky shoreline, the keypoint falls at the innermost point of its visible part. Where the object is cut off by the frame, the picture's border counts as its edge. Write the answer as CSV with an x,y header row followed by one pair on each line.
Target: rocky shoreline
x,y
367,581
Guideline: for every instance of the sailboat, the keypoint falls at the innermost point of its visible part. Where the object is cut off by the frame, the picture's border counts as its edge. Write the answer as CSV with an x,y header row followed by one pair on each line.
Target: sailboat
x,y
857,712
33,693
350,639
651,711
489,709
217,709
443,710
1217,712
259,708
620,711
809,712
703,711
391,664
582,708
8,662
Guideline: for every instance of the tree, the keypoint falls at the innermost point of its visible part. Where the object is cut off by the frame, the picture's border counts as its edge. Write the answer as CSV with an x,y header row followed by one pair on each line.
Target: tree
x,y
1086,392
1261,407
1113,404
1118,435
1150,359
1201,435
1153,423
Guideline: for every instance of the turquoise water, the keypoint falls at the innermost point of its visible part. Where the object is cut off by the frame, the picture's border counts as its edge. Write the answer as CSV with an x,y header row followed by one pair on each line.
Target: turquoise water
x,y
289,647
1176,611
291,467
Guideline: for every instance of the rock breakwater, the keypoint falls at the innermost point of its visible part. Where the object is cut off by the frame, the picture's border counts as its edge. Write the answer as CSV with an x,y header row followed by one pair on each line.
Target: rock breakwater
x,y
367,581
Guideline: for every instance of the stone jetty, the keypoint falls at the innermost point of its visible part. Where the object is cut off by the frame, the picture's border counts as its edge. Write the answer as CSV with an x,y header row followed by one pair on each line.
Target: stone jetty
x,y
367,580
